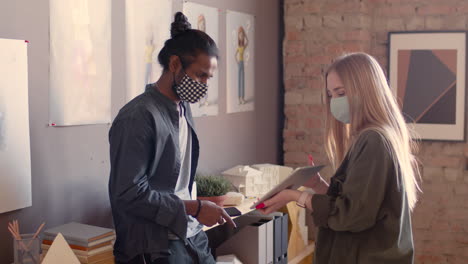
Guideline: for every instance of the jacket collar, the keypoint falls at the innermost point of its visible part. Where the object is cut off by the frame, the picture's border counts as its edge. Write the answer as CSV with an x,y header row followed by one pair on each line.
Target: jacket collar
x,y
171,105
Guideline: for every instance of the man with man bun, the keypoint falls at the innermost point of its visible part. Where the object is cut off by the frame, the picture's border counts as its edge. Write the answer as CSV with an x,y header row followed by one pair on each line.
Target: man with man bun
x,y
154,153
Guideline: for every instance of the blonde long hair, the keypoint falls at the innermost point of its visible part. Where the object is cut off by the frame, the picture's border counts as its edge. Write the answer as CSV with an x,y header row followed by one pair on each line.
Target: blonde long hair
x,y
372,107
241,41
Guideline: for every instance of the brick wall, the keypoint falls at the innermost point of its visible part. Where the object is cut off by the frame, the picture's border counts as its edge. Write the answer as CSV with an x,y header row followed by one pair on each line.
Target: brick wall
x,y
316,32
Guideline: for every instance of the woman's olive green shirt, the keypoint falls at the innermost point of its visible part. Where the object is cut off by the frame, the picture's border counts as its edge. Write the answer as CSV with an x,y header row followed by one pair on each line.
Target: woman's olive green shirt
x,y
364,218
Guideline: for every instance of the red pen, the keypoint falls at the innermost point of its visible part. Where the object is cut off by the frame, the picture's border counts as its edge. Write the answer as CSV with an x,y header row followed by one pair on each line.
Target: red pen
x,y
311,160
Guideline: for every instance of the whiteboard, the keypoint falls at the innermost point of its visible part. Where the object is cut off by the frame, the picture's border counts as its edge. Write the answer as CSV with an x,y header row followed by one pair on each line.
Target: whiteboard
x,y
15,153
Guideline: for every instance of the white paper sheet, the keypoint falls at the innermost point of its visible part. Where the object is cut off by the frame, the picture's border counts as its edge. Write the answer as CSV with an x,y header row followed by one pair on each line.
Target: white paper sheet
x,y
206,19
15,153
148,27
80,62
240,61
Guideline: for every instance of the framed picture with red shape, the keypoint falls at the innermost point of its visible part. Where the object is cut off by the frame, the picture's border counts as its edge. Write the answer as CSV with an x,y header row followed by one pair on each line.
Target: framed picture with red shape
x,y
427,74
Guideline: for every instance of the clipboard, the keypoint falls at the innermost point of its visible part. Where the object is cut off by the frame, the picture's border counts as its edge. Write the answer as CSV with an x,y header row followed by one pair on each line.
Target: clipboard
x,y
295,180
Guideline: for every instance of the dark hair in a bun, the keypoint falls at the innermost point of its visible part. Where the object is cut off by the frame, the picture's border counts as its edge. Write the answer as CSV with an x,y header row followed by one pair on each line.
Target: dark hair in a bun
x,y
186,43
180,24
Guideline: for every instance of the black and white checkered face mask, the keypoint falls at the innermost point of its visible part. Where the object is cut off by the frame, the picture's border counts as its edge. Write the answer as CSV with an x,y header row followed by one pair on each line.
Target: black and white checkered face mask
x,y
190,90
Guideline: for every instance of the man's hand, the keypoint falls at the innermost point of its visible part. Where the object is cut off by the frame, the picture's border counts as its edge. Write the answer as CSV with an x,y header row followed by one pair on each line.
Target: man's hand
x,y
211,214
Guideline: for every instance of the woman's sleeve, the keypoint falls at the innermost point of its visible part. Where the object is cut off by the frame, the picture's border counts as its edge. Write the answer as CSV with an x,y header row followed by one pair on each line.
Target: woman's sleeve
x,y
361,195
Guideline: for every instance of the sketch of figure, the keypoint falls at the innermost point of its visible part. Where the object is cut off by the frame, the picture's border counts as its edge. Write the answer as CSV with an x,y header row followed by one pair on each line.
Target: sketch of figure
x,y
240,56
2,125
242,43
149,49
84,60
2,131
201,25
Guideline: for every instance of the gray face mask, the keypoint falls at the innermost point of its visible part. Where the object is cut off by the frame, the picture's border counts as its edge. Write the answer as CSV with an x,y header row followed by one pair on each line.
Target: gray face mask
x,y
339,108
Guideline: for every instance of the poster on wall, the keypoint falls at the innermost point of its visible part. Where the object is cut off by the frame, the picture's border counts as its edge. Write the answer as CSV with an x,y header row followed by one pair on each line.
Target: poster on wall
x,y
427,74
80,62
240,59
148,24
206,19
15,153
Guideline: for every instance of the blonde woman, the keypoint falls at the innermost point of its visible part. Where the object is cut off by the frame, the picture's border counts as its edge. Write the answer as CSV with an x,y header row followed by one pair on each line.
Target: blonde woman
x,y
364,215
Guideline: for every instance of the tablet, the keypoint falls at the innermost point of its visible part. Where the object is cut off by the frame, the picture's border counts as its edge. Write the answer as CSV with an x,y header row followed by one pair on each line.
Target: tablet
x,y
295,180
232,211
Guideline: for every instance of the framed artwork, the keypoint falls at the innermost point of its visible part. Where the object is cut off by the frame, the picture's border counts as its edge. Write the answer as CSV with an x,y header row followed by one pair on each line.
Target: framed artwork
x,y
240,59
427,74
206,19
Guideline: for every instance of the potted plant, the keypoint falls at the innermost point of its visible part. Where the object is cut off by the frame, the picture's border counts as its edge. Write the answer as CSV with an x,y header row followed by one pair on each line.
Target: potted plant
x,y
212,188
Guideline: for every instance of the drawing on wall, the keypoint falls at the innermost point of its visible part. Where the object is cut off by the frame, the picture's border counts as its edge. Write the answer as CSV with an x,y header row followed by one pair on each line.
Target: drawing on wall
x,y
439,108
2,125
148,24
80,62
428,75
15,153
206,19
240,62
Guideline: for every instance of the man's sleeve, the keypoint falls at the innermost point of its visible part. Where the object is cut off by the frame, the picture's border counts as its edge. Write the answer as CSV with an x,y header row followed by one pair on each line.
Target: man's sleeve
x,y
132,146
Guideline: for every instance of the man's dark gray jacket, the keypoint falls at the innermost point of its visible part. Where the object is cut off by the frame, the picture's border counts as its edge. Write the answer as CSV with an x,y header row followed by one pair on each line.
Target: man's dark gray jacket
x,y
145,165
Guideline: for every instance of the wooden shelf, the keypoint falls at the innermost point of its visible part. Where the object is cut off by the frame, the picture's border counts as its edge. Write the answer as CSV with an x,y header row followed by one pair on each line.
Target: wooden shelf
x,y
306,252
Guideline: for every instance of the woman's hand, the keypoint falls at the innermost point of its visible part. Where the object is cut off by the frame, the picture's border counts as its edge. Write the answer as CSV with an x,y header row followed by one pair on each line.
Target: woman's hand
x,y
318,184
279,200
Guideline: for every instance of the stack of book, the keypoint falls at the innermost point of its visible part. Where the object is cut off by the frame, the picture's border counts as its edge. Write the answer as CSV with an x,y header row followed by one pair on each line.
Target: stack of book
x,y
91,244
